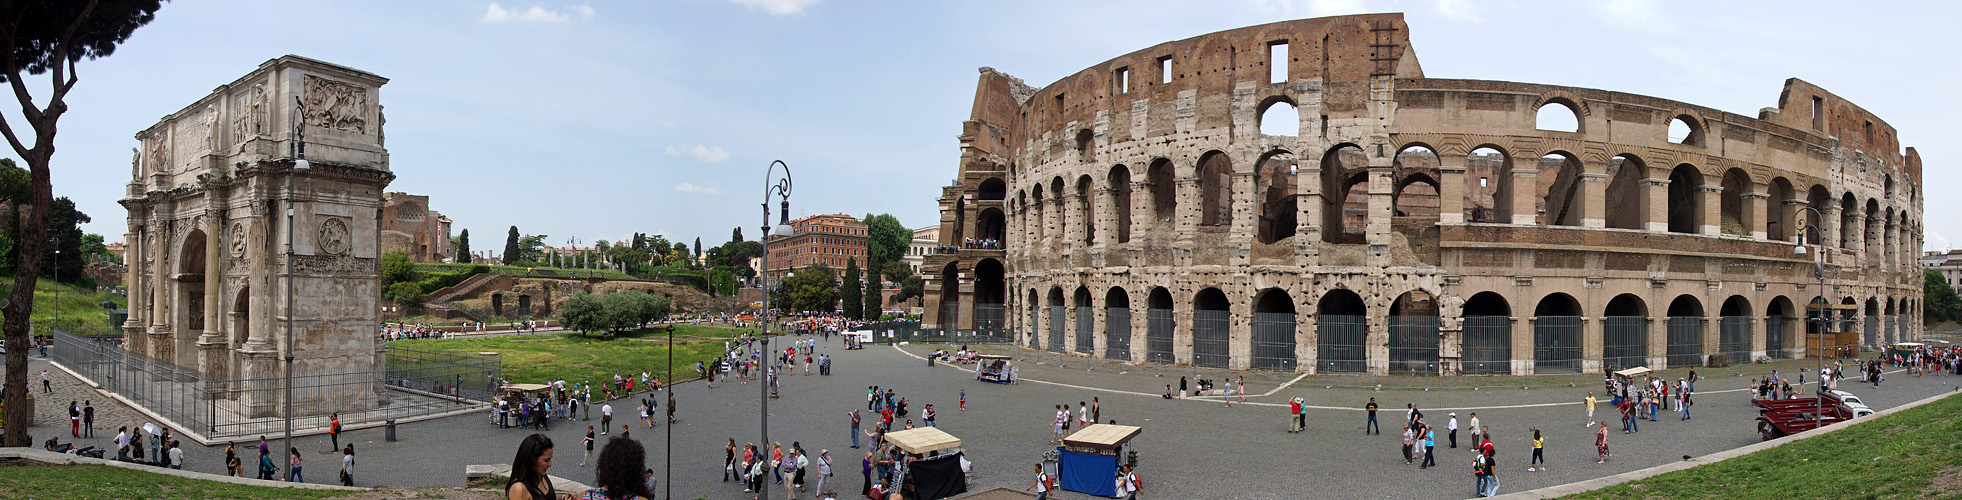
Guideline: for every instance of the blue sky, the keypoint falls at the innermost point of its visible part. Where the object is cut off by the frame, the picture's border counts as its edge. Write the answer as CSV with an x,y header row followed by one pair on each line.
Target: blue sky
x,y
598,119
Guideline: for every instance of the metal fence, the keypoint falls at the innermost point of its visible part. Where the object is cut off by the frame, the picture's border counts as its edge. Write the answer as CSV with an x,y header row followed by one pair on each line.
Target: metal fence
x,y
1487,346
1340,345
1774,337
1872,332
1273,342
1056,328
1413,345
1888,329
1625,341
1556,344
1210,331
1035,325
1734,338
1158,336
896,331
1685,341
988,317
1086,335
238,407
1117,333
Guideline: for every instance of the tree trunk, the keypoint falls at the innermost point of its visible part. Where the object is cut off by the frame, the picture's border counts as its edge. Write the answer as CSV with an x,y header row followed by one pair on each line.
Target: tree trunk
x,y
27,271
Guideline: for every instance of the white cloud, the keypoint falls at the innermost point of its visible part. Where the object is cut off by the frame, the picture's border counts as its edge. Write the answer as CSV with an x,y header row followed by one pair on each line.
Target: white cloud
x,y
1311,8
702,153
777,7
584,10
1934,242
691,188
1457,10
498,14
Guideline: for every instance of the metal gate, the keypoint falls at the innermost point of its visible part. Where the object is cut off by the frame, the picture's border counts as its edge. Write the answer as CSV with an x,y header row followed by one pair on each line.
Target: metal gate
x,y
950,315
1339,340
1625,341
1872,331
988,317
1413,345
1273,342
1056,328
1487,346
1774,337
1086,338
1117,333
1035,325
1158,336
1556,344
1734,338
1210,331
1889,329
1685,341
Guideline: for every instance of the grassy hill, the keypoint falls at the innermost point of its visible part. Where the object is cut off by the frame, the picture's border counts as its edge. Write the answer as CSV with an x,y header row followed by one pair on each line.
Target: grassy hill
x,y
76,308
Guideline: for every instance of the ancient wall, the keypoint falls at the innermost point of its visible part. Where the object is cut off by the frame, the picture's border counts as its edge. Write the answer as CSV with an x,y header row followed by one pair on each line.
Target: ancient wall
x,y
1401,208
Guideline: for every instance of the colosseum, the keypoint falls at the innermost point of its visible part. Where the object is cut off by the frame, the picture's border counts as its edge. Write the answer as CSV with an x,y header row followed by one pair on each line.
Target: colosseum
x,y
1299,196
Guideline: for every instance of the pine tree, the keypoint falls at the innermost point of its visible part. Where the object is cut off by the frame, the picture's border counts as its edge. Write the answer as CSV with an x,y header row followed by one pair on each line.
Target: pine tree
x,y
463,247
698,250
851,298
511,249
737,234
872,305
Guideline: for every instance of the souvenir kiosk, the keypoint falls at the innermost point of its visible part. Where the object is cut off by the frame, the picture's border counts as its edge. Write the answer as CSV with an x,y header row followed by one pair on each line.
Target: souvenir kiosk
x,y
995,368
933,465
1088,460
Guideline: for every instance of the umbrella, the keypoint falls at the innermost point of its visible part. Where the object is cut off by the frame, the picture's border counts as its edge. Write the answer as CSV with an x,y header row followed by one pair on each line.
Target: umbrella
x,y
152,429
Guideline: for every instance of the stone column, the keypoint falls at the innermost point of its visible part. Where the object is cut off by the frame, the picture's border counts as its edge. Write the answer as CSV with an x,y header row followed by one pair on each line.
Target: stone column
x,y
1522,343
1525,196
1106,217
211,355
1756,207
1073,227
1759,335
1451,189
1139,321
1658,337
1829,227
1382,202
158,344
1593,343
1789,217
1658,205
1306,342
1308,212
1855,232
1376,340
1709,197
966,296
1594,196
1053,233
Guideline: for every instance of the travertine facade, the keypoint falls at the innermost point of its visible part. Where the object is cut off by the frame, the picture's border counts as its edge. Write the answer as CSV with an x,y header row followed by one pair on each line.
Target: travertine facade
x,y
208,230
1411,224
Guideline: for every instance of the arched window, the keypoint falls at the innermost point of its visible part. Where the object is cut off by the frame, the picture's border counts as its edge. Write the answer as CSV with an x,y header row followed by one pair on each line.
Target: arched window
x,y
1732,217
1278,116
1685,199
1215,190
1120,199
1686,130
1488,186
1343,167
1627,203
1164,191
1558,115
1561,194
1086,207
1275,185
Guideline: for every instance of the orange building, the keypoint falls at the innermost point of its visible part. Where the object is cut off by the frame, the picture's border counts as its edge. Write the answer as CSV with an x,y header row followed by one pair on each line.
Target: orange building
x,y
830,240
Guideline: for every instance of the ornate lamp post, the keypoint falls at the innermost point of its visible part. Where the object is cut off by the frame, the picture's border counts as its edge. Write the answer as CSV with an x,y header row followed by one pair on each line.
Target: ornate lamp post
x,y
781,189
300,166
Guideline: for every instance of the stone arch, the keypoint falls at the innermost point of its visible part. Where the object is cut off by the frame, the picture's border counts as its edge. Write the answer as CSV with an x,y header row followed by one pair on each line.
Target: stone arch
x,y
1871,329
1211,328
1778,332
1733,216
1627,201
1086,320
1341,332
1117,324
1625,331
1056,315
1278,117
1274,182
1685,128
241,317
1685,347
990,291
1086,146
1417,196
1779,215
960,220
992,224
1558,114
1120,200
1850,224
1734,329
1685,199
1561,192
1414,334
1086,207
1888,319
1488,185
1557,334
1342,165
1164,191
1272,345
1486,341
992,189
497,305
1159,326
1215,189
191,284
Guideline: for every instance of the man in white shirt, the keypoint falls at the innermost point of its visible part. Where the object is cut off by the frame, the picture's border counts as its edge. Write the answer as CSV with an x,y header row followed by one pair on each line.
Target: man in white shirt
x,y
176,456
606,417
122,443
1452,425
1476,430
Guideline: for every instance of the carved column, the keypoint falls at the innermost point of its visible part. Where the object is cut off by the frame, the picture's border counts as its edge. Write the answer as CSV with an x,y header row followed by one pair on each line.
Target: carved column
x,y
1756,207
1525,196
1451,189
1594,196
1711,199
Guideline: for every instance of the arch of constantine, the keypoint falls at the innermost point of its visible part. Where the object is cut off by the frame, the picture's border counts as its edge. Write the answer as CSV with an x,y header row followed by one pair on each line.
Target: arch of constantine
x,y
1299,196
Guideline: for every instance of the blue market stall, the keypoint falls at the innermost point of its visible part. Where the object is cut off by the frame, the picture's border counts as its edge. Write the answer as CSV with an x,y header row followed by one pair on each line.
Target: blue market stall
x,y
1088,460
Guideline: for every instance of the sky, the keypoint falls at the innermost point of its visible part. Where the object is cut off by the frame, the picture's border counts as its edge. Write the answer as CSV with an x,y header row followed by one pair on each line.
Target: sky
x,y
594,119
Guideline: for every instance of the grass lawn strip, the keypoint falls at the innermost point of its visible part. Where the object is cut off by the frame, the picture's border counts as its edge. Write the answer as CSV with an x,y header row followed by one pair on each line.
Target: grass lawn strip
x,y
583,358
1902,455
91,482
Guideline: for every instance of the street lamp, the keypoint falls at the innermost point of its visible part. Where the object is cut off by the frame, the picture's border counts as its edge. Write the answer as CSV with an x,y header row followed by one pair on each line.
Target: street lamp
x,y
1818,271
300,166
781,189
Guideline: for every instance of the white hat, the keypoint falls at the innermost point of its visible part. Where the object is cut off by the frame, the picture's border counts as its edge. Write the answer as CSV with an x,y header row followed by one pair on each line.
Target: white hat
x,y
1454,414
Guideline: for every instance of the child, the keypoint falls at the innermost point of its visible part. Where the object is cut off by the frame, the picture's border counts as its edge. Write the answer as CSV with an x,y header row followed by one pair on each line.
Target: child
x,y
963,399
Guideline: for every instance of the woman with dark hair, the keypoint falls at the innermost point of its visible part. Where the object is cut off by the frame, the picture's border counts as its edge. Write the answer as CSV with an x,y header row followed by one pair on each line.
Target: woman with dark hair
x,y
620,473
528,470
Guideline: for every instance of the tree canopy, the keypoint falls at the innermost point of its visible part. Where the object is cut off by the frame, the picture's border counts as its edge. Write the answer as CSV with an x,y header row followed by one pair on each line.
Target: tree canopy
x,y
463,247
886,240
1939,302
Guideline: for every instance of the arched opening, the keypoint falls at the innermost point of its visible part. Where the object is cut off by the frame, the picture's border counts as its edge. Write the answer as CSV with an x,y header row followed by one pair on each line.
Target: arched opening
x,y
1164,191
1035,319
1487,336
524,306
1819,200
1488,186
1625,332
1870,227
1871,329
1158,326
1279,211
1732,218
990,288
190,286
1341,332
1417,192
950,295
1557,115
1557,335
1273,332
1279,117
1211,327
1086,209
241,317
1626,201
1849,320
1685,199
1086,321
1060,224
1888,328
1056,315
1414,334
1778,318
1344,215
992,225
1685,332
960,220
1778,226
992,189
1117,324
1560,189
1215,190
497,304
1120,202
1686,130
1850,222
1734,329
1037,228
1086,146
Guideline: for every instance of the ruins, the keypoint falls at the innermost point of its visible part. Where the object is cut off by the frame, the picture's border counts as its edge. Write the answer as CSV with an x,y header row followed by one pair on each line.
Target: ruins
x,y
1300,196
408,225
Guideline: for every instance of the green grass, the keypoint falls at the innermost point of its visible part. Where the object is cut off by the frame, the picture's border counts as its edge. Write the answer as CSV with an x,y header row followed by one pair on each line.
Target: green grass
x,y
86,482
76,308
532,359
1911,454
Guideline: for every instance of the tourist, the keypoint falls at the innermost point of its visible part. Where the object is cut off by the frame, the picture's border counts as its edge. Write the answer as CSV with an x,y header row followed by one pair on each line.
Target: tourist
x,y
1294,415
88,419
266,467
928,415
1539,444
1686,406
232,466
529,479
1082,415
1228,394
1601,445
1041,485
334,428
1430,444
1452,426
1481,470
589,447
347,465
293,460
728,460
1056,427
865,470
45,387
1409,440
606,416
177,455
74,418
620,474
1370,408
136,447
1476,430
1096,407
